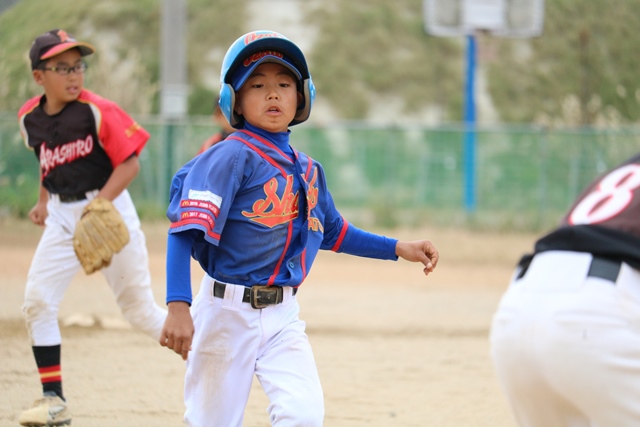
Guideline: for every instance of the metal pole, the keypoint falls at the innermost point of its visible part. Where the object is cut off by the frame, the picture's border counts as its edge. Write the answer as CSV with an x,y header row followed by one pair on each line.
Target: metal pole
x,y
173,80
470,128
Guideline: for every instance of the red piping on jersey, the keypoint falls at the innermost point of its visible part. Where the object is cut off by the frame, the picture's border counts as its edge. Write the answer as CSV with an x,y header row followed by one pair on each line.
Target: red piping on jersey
x,y
268,144
272,279
304,252
262,154
309,164
303,256
195,221
303,263
343,232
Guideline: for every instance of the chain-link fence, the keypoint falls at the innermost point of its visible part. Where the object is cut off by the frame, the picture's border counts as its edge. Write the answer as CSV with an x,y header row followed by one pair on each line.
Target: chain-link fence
x,y
524,178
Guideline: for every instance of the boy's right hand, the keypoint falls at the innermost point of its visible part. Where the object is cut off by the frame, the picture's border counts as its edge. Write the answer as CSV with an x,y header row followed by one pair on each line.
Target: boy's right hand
x,y
419,251
38,213
177,332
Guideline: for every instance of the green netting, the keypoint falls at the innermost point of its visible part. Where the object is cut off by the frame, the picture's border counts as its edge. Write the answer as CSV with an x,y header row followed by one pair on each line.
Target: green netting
x,y
524,177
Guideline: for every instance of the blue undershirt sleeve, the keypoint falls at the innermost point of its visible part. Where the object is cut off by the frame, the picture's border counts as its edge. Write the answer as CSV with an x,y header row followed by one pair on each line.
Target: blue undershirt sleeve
x,y
179,267
362,243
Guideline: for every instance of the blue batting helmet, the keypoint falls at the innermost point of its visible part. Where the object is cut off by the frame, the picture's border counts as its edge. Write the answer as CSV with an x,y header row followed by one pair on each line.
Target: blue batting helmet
x,y
249,51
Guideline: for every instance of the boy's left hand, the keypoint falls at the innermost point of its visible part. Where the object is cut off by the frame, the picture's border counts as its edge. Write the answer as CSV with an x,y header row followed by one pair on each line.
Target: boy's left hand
x,y
419,251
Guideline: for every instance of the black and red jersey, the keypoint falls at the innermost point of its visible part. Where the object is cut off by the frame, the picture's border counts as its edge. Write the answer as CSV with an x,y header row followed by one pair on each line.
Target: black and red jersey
x,y
605,219
79,147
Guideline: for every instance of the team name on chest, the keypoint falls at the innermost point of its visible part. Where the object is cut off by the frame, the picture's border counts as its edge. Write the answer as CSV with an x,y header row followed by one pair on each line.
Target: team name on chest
x,y
274,210
65,153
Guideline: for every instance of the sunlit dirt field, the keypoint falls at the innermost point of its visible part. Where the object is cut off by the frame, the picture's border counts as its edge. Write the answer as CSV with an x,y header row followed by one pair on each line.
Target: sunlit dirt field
x,y
394,348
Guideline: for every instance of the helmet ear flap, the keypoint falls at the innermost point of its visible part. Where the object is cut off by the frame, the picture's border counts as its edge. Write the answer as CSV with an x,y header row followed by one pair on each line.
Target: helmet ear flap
x,y
309,95
227,104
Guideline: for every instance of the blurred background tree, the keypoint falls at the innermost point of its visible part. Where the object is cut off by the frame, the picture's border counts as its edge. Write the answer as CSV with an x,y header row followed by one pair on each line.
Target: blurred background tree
x,y
370,59
587,54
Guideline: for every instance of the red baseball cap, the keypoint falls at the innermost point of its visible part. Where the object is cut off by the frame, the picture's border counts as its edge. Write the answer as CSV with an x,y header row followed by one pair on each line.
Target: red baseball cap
x,y
54,42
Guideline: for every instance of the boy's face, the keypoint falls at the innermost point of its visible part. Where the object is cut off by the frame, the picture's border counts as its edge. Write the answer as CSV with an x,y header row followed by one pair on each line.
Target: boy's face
x,y
269,98
60,89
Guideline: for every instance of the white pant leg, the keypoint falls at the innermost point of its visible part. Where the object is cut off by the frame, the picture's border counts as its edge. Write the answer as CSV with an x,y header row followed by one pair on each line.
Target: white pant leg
x,y
593,350
52,268
287,370
533,401
566,347
222,362
129,277
233,341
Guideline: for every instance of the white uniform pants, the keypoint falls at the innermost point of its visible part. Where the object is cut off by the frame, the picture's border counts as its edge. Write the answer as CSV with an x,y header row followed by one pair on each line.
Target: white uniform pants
x,y
234,341
55,264
566,347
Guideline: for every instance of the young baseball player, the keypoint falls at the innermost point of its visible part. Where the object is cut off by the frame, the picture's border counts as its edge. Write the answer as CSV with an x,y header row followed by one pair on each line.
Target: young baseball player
x,y
254,212
224,131
87,148
566,336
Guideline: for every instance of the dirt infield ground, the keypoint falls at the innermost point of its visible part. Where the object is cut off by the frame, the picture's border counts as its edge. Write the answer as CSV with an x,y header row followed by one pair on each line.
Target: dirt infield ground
x,y
393,348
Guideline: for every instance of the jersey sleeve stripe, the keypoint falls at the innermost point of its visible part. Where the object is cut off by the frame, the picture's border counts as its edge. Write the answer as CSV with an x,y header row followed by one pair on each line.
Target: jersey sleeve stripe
x,y
195,221
343,232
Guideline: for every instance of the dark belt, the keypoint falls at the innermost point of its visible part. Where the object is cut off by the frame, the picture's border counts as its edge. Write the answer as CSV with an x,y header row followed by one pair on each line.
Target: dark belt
x,y
68,198
259,296
603,268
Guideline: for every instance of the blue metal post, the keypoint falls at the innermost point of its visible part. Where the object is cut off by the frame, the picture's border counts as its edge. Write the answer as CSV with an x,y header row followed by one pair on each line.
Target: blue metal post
x,y
470,128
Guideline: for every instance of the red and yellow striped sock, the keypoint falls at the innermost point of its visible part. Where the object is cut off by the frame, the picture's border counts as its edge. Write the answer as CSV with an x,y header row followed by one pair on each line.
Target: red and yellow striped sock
x,y
50,374
48,361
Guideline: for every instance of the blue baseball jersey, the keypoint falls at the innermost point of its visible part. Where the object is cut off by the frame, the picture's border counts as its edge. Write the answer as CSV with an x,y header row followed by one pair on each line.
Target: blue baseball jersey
x,y
259,212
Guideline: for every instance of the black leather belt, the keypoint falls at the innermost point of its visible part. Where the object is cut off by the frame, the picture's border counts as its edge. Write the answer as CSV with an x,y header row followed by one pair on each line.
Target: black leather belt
x,y
259,296
68,198
603,268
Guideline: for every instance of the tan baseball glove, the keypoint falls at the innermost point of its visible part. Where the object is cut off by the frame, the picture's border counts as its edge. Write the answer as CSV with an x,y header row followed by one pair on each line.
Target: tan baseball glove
x,y
99,235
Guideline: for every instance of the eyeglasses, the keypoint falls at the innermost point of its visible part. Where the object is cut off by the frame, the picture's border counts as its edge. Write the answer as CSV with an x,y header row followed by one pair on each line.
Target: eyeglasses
x,y
64,70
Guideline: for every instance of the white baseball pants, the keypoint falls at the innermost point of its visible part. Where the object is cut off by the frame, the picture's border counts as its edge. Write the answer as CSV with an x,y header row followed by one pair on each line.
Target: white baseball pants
x,y
55,264
566,347
234,341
